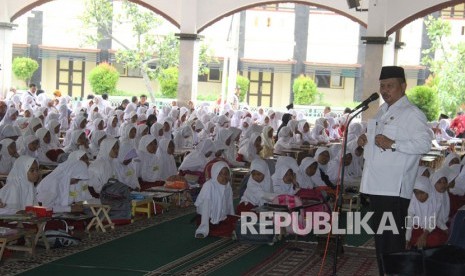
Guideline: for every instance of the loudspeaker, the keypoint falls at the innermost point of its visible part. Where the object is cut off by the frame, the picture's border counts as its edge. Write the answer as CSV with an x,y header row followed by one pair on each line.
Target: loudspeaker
x,y
353,4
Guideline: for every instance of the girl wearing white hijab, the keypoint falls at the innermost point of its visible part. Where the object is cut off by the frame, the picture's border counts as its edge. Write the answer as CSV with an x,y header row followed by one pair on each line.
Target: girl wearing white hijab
x,y
46,149
334,166
308,168
165,158
79,123
167,127
333,129
421,216
11,132
128,134
77,140
34,125
197,128
183,137
112,129
96,138
97,124
63,111
306,134
207,132
197,159
285,140
8,155
252,147
267,142
231,152
440,197
57,189
156,130
19,190
259,190
441,134
53,127
320,178
10,118
149,168
215,204
125,168
319,134
284,179
104,167
141,130
195,162
30,145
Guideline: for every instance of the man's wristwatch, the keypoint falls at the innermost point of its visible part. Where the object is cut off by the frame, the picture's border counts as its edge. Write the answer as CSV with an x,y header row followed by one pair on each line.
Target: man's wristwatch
x,y
393,146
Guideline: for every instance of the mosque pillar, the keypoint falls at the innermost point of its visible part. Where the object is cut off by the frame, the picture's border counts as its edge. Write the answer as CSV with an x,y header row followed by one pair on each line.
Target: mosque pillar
x,y
6,56
377,53
188,67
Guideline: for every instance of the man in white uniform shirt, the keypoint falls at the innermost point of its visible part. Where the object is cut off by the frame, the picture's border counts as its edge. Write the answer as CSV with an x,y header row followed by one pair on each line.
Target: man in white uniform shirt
x,y
395,140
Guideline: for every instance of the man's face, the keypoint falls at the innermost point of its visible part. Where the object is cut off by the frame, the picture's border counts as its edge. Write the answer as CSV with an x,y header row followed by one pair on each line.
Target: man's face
x,y
33,89
143,100
391,90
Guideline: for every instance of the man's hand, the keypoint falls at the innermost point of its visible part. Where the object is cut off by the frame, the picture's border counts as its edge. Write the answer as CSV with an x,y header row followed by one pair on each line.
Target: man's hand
x,y
362,140
383,142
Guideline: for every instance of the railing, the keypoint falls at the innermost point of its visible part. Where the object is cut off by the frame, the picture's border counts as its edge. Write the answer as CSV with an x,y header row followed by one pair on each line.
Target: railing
x,y
311,112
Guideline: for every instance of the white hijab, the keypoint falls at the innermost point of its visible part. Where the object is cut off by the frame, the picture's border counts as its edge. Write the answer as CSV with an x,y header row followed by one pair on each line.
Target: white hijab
x,y
248,150
215,200
166,161
6,160
422,210
441,201
284,164
103,168
303,179
127,173
196,160
258,193
18,191
110,130
54,190
148,164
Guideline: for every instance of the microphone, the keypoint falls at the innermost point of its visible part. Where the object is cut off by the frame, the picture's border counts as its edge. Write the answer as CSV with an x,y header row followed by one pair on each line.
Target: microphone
x,y
373,97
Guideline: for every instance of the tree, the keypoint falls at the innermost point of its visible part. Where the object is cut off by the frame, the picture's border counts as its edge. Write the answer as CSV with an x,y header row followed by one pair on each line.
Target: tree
x,y
305,90
243,83
426,99
448,66
103,78
168,80
152,52
24,68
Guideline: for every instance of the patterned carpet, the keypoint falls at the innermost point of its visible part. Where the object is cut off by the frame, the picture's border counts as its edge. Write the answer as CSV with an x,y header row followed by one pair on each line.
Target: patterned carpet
x,y
301,259
20,263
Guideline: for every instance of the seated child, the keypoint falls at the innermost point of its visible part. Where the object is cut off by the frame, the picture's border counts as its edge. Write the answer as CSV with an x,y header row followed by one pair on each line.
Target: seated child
x,y
422,230
258,190
215,205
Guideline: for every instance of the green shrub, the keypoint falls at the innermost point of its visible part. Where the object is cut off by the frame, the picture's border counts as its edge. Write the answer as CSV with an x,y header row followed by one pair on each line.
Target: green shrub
x,y
168,81
207,97
243,83
426,99
103,79
24,68
305,90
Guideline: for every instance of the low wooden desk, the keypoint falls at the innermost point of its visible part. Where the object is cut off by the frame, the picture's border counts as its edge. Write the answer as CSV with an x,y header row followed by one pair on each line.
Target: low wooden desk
x,y
35,235
101,217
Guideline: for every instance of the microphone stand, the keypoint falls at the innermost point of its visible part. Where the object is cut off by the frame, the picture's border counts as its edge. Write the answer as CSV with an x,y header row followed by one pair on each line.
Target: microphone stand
x,y
341,187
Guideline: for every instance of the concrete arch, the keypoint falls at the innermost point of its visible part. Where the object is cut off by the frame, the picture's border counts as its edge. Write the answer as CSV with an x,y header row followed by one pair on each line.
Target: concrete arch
x,y
227,9
142,3
421,14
